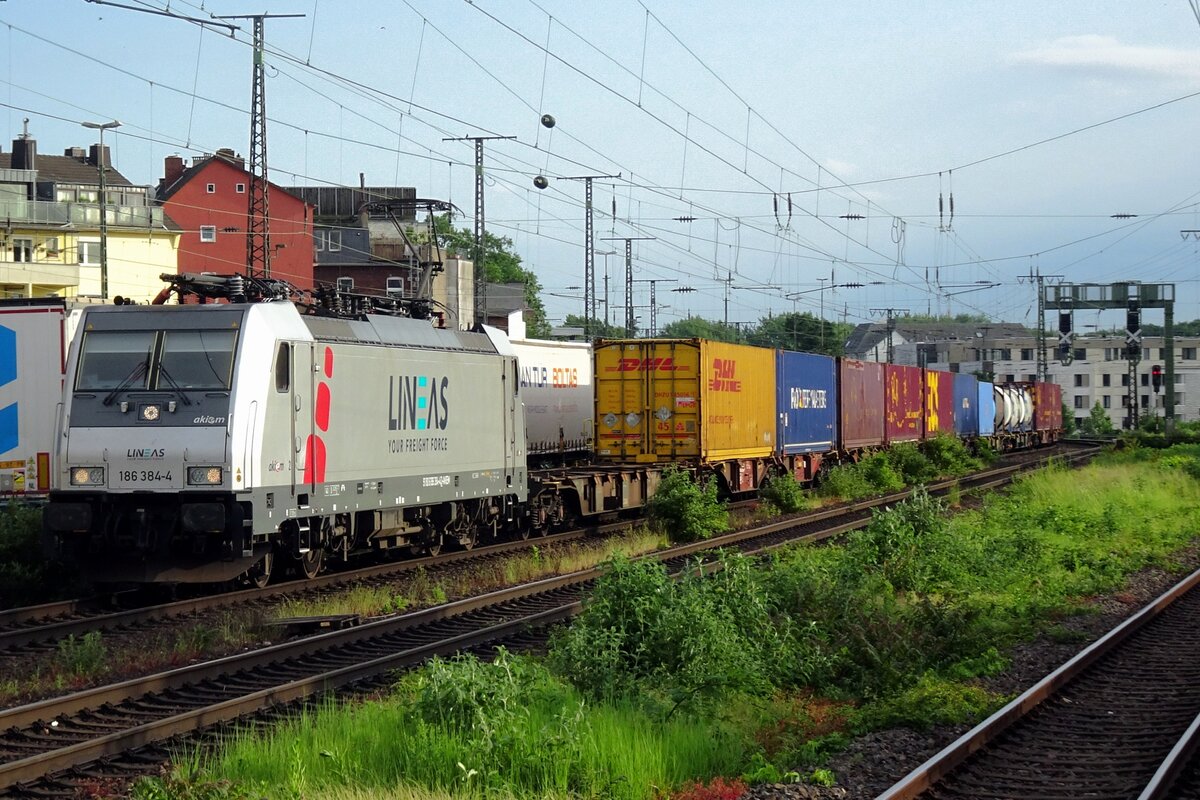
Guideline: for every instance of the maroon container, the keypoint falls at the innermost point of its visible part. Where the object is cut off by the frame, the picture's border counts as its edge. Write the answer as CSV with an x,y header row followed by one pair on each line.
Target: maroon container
x,y
860,391
905,403
939,402
1047,406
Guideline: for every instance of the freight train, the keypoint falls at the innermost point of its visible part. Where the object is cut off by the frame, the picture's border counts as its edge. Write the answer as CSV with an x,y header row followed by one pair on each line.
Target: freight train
x,y
212,442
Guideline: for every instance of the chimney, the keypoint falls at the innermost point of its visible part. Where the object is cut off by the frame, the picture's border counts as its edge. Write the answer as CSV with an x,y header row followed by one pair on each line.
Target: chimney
x,y
94,156
75,152
24,152
227,154
172,169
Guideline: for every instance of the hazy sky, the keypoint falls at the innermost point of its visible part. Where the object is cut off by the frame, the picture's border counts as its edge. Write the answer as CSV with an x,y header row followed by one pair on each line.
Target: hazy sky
x,y
717,111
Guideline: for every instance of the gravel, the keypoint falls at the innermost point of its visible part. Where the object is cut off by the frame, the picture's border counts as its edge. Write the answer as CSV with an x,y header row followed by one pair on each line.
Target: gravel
x,y
874,762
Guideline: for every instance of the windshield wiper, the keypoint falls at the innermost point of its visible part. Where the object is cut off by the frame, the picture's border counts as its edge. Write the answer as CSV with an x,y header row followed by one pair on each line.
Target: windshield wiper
x,y
137,372
163,373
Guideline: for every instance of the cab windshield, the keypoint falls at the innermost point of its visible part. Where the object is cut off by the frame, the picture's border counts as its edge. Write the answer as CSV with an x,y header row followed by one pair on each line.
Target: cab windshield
x,y
175,360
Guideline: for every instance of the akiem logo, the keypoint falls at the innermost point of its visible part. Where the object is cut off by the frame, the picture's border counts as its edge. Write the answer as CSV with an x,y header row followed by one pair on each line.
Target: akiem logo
x,y
418,403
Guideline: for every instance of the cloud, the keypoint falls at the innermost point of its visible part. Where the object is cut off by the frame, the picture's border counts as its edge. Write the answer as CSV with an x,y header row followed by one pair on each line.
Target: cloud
x,y
843,169
1104,56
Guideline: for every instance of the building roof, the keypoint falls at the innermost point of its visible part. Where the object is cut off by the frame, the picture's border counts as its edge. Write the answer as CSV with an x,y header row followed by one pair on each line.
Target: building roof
x,y
68,169
198,165
867,335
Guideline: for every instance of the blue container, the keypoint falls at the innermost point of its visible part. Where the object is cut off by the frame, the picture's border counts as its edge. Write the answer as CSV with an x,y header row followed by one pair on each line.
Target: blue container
x,y
805,402
986,406
966,405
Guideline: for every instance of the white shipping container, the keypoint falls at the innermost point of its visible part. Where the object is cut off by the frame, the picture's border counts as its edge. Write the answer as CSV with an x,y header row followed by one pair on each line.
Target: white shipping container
x,y
34,335
559,395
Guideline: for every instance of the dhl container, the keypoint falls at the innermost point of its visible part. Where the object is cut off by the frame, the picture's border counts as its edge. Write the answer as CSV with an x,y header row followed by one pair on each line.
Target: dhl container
x,y
987,408
669,399
966,408
806,402
905,403
1047,406
939,402
860,392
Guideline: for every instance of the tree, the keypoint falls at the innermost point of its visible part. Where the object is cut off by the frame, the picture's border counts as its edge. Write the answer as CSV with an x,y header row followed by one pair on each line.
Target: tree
x,y
1097,422
1068,421
501,264
699,327
599,328
801,331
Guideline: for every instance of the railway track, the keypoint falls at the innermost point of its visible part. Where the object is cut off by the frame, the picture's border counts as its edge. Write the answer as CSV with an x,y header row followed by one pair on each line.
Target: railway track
x,y
36,629
1117,721
42,740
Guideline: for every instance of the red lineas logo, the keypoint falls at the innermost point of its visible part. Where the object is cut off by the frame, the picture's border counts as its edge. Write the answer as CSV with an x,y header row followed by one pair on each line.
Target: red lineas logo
x,y
723,379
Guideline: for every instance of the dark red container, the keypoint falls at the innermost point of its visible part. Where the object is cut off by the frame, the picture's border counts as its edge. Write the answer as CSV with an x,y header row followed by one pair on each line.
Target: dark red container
x,y
904,403
860,391
939,402
1047,406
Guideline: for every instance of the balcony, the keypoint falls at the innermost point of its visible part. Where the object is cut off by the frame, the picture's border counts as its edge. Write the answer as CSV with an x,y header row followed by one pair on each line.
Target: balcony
x,y
49,275
77,215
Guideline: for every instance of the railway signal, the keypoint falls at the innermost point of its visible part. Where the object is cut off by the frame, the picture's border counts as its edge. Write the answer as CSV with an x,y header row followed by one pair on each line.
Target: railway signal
x,y
1156,378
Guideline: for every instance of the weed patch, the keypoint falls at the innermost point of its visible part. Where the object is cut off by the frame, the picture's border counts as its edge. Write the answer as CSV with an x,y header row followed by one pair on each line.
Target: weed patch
x,y
685,510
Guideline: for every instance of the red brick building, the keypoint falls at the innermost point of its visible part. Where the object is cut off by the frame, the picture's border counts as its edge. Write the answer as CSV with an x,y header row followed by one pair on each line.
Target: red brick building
x,y
208,200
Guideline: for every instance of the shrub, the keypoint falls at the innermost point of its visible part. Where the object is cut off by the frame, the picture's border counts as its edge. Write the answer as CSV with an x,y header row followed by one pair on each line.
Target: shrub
x,y
784,492
932,701
908,460
686,511
949,455
874,474
25,574
716,789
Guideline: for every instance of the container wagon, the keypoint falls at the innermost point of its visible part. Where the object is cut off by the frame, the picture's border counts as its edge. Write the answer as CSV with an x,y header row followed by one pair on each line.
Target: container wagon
x,y
861,398
905,403
966,408
807,407
556,389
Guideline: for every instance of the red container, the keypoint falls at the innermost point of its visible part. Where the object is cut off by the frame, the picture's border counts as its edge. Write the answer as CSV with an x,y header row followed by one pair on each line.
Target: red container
x,y
860,392
939,402
904,404
1047,406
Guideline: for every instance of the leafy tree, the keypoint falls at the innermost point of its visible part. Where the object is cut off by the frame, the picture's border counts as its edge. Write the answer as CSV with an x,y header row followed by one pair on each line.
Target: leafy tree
x,y
699,327
1068,418
801,331
1097,422
600,328
980,319
501,264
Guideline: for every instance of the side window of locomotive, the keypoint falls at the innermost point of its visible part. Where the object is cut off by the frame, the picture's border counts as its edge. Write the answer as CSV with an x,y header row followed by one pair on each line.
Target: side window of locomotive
x,y
283,367
197,359
115,358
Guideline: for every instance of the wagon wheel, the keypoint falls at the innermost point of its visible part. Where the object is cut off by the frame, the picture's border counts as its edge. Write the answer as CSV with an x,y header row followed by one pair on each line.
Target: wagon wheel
x,y
259,575
310,563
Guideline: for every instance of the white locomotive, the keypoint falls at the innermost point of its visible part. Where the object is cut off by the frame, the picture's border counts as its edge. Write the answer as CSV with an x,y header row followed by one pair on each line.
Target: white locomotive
x,y
204,442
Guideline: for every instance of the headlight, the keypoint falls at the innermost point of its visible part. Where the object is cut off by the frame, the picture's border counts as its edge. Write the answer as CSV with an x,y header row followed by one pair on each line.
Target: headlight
x,y
205,476
87,476
150,413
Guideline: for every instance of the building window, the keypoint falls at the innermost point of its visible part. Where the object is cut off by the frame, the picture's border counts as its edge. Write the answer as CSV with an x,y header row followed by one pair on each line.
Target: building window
x,y
1146,353
22,249
64,195
1106,379
335,241
211,188
1027,354
1009,378
1124,378
89,195
208,233
1162,353
240,188
1006,354
1031,377
1080,401
1079,380
1145,379
395,286
1081,354
1145,401
89,253
1107,401
345,284
1189,354
52,247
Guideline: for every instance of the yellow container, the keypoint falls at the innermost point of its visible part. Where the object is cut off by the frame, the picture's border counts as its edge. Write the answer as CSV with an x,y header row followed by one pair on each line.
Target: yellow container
x,y
668,399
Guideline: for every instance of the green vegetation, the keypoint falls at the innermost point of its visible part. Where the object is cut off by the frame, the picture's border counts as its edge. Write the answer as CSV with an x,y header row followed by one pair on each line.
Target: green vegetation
x,y
685,510
906,464
26,577
784,494
1096,422
663,686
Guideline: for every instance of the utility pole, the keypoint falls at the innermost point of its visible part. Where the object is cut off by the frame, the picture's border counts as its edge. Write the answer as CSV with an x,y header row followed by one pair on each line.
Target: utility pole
x,y
1035,275
891,328
258,210
589,254
654,300
629,240
606,254
477,272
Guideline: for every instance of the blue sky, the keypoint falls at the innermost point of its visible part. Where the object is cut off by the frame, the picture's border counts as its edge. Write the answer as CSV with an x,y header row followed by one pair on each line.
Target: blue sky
x,y
712,110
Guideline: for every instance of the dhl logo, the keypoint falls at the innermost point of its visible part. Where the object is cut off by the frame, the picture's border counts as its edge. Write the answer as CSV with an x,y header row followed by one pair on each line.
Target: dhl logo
x,y
663,364
723,379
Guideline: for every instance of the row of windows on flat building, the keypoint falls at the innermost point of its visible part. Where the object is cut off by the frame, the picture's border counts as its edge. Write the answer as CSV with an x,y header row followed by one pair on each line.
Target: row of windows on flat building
x,y
1080,354
24,249
1084,401
322,240
1083,379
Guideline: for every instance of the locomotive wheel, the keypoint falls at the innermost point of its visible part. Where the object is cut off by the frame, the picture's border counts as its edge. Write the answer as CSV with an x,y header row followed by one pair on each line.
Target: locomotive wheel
x,y
310,563
259,575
